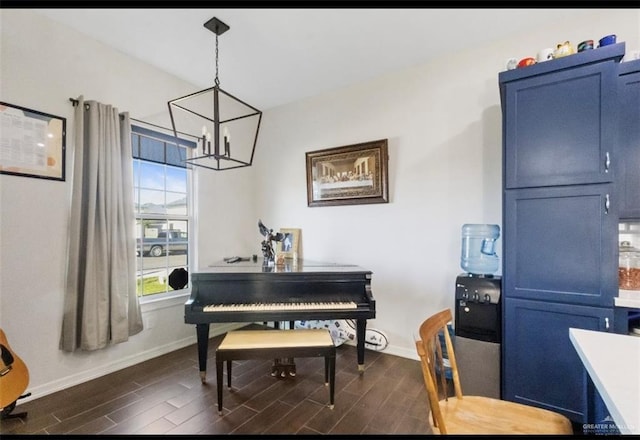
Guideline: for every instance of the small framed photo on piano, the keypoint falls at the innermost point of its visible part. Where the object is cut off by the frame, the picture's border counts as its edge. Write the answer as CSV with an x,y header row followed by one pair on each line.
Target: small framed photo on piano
x,y
288,247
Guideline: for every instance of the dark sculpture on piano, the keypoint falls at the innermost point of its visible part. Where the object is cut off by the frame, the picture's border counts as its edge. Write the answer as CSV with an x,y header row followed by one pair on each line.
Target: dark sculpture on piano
x,y
251,291
267,244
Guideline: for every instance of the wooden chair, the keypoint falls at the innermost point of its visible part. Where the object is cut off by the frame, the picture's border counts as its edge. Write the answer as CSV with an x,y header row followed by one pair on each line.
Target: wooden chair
x,y
460,414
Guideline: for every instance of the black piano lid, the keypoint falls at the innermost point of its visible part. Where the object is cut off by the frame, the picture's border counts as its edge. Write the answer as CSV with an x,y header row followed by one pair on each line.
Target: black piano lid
x,y
290,266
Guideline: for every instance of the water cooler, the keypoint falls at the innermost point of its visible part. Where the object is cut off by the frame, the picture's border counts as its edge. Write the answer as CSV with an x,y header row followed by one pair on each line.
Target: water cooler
x,y
478,312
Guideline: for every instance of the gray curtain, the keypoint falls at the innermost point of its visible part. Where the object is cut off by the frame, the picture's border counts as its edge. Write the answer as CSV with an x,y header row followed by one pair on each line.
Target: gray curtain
x,y
101,306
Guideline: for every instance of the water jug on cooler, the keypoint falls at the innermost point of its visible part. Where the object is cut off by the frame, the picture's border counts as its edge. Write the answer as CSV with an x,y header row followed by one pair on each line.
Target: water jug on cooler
x,y
478,256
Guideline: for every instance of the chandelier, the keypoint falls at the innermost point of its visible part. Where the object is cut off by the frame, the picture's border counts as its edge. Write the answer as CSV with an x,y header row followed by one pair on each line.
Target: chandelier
x,y
217,116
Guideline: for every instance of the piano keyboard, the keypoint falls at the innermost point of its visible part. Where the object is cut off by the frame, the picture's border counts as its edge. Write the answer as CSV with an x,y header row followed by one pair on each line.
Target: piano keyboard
x,y
259,307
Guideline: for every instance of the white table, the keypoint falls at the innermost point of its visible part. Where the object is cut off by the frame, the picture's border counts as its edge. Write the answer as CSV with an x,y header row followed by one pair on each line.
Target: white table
x,y
613,362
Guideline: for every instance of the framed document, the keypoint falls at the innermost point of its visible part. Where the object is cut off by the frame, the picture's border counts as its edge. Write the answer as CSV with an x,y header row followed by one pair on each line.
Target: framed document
x,y
32,143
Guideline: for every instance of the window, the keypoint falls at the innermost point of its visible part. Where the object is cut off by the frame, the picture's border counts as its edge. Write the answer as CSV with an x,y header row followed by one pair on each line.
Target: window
x,y
162,199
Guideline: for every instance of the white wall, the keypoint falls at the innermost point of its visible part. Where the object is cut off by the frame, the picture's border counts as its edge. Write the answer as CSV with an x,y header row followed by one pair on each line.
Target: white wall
x,y
442,120
443,123
43,65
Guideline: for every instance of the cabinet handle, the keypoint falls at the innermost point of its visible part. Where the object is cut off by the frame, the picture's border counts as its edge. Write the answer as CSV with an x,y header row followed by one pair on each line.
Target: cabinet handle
x,y
607,204
606,323
607,162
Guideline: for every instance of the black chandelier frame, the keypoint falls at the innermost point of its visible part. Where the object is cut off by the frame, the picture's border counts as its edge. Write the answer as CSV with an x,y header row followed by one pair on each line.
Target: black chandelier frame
x,y
219,160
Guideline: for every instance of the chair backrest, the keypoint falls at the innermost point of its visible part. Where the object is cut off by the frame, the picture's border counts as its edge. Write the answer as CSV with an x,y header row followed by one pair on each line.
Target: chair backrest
x,y
473,414
430,351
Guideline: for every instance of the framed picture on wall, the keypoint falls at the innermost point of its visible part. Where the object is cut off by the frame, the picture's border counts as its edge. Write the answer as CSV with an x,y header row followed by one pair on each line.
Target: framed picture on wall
x,y
289,245
349,175
32,143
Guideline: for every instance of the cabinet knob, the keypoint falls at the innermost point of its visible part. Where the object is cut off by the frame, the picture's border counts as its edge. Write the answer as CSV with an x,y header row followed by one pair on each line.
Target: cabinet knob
x,y
607,204
607,162
606,323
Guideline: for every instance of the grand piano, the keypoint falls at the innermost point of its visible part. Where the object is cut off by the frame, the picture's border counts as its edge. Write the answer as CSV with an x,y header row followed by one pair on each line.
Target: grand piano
x,y
250,291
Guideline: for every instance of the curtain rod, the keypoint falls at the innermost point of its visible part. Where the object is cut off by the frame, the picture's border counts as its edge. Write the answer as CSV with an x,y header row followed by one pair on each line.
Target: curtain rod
x,y
75,102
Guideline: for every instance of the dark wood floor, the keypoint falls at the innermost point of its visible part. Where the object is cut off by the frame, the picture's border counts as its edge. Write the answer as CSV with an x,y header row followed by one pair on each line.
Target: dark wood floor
x,y
165,396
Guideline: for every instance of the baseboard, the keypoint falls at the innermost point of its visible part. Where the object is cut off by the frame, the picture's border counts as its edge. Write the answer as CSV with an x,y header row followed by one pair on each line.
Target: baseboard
x,y
85,376
392,350
401,352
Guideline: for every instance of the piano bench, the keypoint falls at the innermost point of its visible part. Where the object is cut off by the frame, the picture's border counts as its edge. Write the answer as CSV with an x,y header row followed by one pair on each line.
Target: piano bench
x,y
253,344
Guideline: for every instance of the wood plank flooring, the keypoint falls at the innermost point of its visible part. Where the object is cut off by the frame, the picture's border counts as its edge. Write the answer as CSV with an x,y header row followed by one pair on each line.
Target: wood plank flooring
x,y
164,395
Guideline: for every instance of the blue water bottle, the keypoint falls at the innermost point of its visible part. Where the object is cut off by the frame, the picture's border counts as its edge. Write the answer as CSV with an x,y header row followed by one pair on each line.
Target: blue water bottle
x,y
478,256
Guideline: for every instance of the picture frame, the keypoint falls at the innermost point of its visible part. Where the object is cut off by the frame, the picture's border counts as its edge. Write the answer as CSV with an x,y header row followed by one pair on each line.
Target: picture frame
x,y
32,143
288,247
349,175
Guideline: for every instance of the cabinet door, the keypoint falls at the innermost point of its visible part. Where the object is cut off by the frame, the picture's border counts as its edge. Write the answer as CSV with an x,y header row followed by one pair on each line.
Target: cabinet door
x,y
628,160
559,128
560,244
540,365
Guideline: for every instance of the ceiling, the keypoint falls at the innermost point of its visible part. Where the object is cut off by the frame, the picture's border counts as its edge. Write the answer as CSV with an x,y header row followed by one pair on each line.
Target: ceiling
x,y
271,57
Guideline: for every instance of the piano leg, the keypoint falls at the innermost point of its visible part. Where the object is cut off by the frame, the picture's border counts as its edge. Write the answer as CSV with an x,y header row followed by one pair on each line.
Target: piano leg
x,y
202,334
361,329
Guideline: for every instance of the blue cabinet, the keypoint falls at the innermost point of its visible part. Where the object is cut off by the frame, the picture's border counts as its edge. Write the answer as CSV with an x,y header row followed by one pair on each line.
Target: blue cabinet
x,y
629,139
543,367
560,244
561,204
560,120
563,131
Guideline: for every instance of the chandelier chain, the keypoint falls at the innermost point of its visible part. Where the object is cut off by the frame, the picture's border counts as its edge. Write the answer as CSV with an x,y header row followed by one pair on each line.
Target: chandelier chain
x,y
217,80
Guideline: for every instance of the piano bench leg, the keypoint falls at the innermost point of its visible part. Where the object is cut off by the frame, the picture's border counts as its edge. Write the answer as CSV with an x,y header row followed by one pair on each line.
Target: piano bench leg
x,y
330,375
326,370
219,369
360,368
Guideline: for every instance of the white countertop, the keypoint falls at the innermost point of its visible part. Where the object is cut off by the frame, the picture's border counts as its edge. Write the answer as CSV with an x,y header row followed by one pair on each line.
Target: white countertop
x,y
613,362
